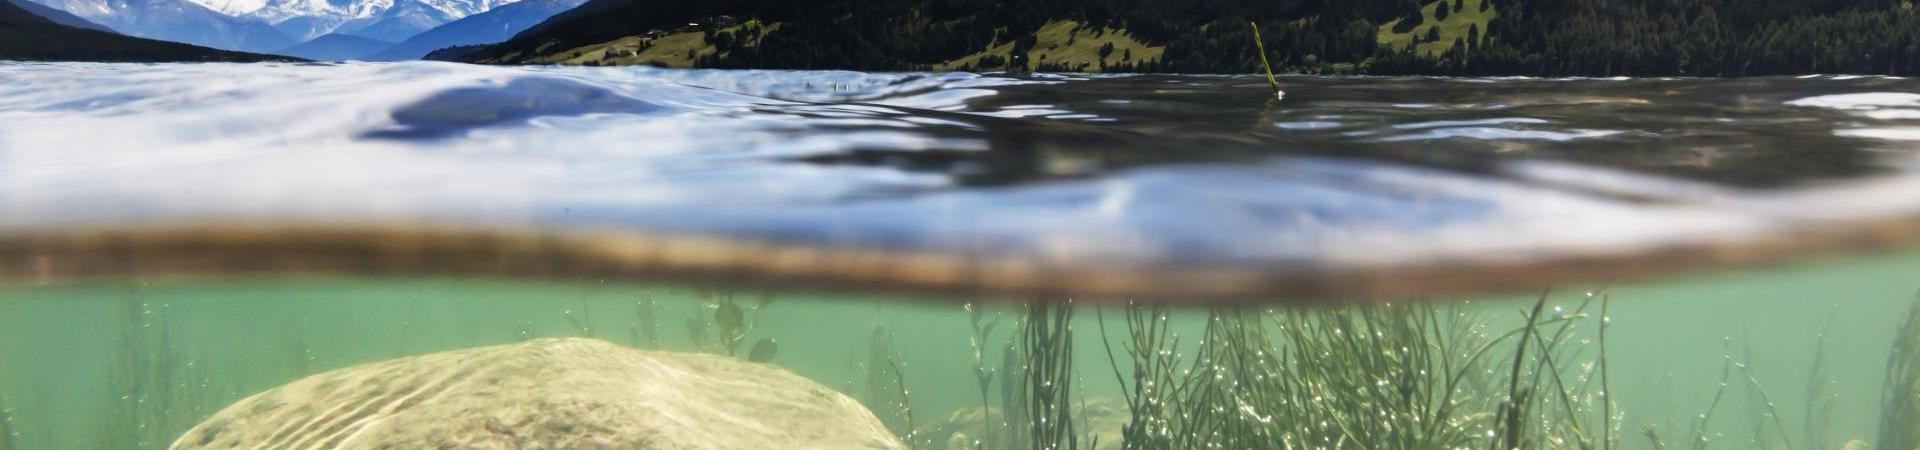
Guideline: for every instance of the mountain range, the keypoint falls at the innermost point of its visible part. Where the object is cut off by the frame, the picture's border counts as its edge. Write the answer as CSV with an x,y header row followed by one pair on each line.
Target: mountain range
x,y
388,20
177,21
489,27
59,17
41,34
308,28
336,47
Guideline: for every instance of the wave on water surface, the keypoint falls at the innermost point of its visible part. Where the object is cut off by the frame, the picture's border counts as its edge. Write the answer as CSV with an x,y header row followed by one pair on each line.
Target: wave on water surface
x,y
1142,171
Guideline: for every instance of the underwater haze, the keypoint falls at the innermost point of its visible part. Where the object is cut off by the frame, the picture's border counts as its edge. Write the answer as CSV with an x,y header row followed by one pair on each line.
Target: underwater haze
x,y
1356,262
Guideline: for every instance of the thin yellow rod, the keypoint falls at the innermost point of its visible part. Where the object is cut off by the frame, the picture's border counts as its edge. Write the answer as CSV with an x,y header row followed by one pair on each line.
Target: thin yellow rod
x,y
1262,45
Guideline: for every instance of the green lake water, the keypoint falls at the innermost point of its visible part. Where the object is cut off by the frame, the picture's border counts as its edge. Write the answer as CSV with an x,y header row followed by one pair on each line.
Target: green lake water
x,y
133,363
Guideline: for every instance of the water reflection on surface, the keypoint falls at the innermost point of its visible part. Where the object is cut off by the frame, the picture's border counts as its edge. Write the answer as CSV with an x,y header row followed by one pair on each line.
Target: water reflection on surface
x,y
1108,173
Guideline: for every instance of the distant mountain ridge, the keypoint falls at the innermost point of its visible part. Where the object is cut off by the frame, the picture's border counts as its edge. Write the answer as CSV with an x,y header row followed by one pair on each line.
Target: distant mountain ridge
x,y
493,26
389,20
178,21
336,47
270,25
60,17
25,35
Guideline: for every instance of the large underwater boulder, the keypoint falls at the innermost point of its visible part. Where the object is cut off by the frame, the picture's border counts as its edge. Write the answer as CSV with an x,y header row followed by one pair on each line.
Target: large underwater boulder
x,y
547,394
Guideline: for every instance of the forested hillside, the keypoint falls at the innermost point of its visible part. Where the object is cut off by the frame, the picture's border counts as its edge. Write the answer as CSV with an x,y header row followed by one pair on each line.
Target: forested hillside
x,y
1512,37
1683,37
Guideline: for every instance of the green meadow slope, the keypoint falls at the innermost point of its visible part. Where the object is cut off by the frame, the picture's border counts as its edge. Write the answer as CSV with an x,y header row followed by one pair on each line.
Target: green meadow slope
x,y
1443,24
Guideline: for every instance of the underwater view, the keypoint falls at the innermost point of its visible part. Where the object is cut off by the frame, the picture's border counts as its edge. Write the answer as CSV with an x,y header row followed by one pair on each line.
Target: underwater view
x,y
436,255
1789,357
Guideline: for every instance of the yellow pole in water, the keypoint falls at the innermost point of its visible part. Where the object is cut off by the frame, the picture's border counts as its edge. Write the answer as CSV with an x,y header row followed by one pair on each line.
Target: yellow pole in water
x,y
1262,45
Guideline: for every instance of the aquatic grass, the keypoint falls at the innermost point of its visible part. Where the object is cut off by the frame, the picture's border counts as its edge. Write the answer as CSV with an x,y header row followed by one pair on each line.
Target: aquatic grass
x,y
1509,431
1525,416
1652,433
522,331
1150,346
1767,408
155,388
1571,429
1757,409
582,322
1702,423
1606,387
982,332
1236,351
1820,403
646,323
884,389
1014,395
730,324
1549,409
139,378
1047,336
906,400
1900,393
8,436
1384,376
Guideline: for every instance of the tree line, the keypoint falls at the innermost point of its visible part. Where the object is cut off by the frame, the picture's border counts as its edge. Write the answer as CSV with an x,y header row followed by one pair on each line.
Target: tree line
x,y
1525,37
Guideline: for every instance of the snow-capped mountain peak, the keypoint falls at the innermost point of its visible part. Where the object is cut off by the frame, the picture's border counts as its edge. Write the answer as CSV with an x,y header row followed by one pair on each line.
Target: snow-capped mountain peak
x,y
233,7
179,21
384,19
270,25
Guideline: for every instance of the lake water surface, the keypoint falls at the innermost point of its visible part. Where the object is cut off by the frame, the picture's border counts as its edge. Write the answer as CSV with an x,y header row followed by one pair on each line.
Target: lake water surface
x,y
1749,241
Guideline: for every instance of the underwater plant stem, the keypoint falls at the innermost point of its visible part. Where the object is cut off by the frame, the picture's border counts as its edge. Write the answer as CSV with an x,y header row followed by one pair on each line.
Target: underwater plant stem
x,y
1819,404
1706,418
1606,388
906,403
1899,404
1447,403
885,387
1548,366
1100,317
1155,387
1049,373
647,323
1509,417
1134,413
1767,402
1653,437
1013,393
6,426
1566,400
983,376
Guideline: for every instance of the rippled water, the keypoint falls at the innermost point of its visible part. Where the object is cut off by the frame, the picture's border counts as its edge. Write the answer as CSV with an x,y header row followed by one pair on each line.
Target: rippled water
x,y
1105,174
1093,188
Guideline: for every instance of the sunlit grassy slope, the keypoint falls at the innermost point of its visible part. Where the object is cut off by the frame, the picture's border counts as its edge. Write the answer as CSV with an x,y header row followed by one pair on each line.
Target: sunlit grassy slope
x,y
1069,42
679,49
1456,26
